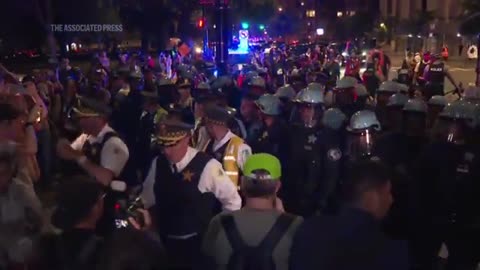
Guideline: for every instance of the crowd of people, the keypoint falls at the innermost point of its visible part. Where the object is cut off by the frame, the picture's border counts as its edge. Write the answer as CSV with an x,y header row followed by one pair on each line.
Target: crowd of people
x,y
161,163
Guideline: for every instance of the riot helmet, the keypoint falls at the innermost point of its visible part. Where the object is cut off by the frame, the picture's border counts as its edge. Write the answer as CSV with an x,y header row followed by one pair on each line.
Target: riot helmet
x,y
308,107
415,117
456,122
435,107
344,92
394,116
362,131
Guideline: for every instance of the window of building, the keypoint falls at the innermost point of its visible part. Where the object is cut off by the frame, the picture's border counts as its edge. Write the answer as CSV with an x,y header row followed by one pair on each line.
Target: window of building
x,y
310,13
339,14
351,13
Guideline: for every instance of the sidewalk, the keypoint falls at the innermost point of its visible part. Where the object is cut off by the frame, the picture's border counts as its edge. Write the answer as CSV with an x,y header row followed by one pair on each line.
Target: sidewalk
x,y
455,60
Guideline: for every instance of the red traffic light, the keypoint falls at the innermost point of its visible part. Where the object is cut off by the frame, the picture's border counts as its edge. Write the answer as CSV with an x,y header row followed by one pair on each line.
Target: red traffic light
x,y
201,23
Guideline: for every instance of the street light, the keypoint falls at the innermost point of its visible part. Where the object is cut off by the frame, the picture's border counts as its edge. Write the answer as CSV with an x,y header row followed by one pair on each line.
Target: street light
x,y
245,25
280,9
459,35
261,27
382,25
303,4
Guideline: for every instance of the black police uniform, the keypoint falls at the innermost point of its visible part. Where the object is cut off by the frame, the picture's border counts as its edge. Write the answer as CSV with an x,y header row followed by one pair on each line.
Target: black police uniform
x,y
143,149
449,196
436,79
312,170
399,152
182,209
93,152
272,140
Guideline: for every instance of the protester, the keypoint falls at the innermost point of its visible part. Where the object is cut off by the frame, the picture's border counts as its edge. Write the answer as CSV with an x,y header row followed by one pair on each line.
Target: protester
x,y
233,240
353,239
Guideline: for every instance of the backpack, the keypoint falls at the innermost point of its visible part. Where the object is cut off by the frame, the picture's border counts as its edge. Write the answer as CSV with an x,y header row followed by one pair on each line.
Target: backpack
x,y
245,257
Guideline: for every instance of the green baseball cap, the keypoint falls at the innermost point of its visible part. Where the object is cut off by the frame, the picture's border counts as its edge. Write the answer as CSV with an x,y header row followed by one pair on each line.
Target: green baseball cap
x,y
264,163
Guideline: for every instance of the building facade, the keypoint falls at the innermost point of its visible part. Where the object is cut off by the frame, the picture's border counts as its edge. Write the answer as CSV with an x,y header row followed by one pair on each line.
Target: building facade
x,y
443,30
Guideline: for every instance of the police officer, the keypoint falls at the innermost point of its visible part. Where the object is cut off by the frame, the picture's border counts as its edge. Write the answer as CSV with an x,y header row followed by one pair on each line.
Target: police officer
x,y
314,160
435,73
166,91
271,138
363,99
286,94
98,151
363,130
394,112
448,173
435,107
146,128
344,95
384,92
181,191
185,99
399,149
224,145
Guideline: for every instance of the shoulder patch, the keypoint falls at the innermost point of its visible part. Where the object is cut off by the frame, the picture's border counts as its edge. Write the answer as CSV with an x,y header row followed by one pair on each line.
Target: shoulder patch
x,y
334,154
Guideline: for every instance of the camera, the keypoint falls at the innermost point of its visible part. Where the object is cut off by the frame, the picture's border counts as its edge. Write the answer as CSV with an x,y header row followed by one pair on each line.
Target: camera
x,y
126,205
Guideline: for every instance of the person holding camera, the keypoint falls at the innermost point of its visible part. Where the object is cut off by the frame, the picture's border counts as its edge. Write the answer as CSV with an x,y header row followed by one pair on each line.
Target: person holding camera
x,y
183,189
80,207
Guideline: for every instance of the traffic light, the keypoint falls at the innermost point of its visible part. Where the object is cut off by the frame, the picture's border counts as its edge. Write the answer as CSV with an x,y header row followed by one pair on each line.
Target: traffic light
x,y
245,25
261,27
201,23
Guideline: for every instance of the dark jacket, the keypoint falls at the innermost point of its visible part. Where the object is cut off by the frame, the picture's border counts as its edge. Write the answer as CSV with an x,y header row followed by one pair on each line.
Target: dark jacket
x,y
351,240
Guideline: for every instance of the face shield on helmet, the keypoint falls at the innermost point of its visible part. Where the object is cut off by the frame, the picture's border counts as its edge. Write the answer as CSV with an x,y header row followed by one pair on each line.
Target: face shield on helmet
x,y
393,112
415,117
456,122
344,93
362,131
308,108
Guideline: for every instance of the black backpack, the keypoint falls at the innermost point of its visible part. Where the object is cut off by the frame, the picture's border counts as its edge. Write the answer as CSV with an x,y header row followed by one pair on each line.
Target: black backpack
x,y
245,257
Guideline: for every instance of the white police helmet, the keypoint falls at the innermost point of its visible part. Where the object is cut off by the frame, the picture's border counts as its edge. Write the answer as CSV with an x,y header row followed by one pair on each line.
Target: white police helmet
x,y
415,105
334,118
362,120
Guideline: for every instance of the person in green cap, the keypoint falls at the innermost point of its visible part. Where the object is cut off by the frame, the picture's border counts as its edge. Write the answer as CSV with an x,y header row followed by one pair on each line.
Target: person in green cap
x,y
258,236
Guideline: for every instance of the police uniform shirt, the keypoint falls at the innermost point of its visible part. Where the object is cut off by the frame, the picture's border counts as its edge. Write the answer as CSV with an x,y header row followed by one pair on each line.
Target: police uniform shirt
x,y
244,151
114,154
213,179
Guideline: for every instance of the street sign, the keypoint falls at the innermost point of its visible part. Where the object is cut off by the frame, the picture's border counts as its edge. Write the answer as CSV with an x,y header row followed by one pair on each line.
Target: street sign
x,y
243,34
